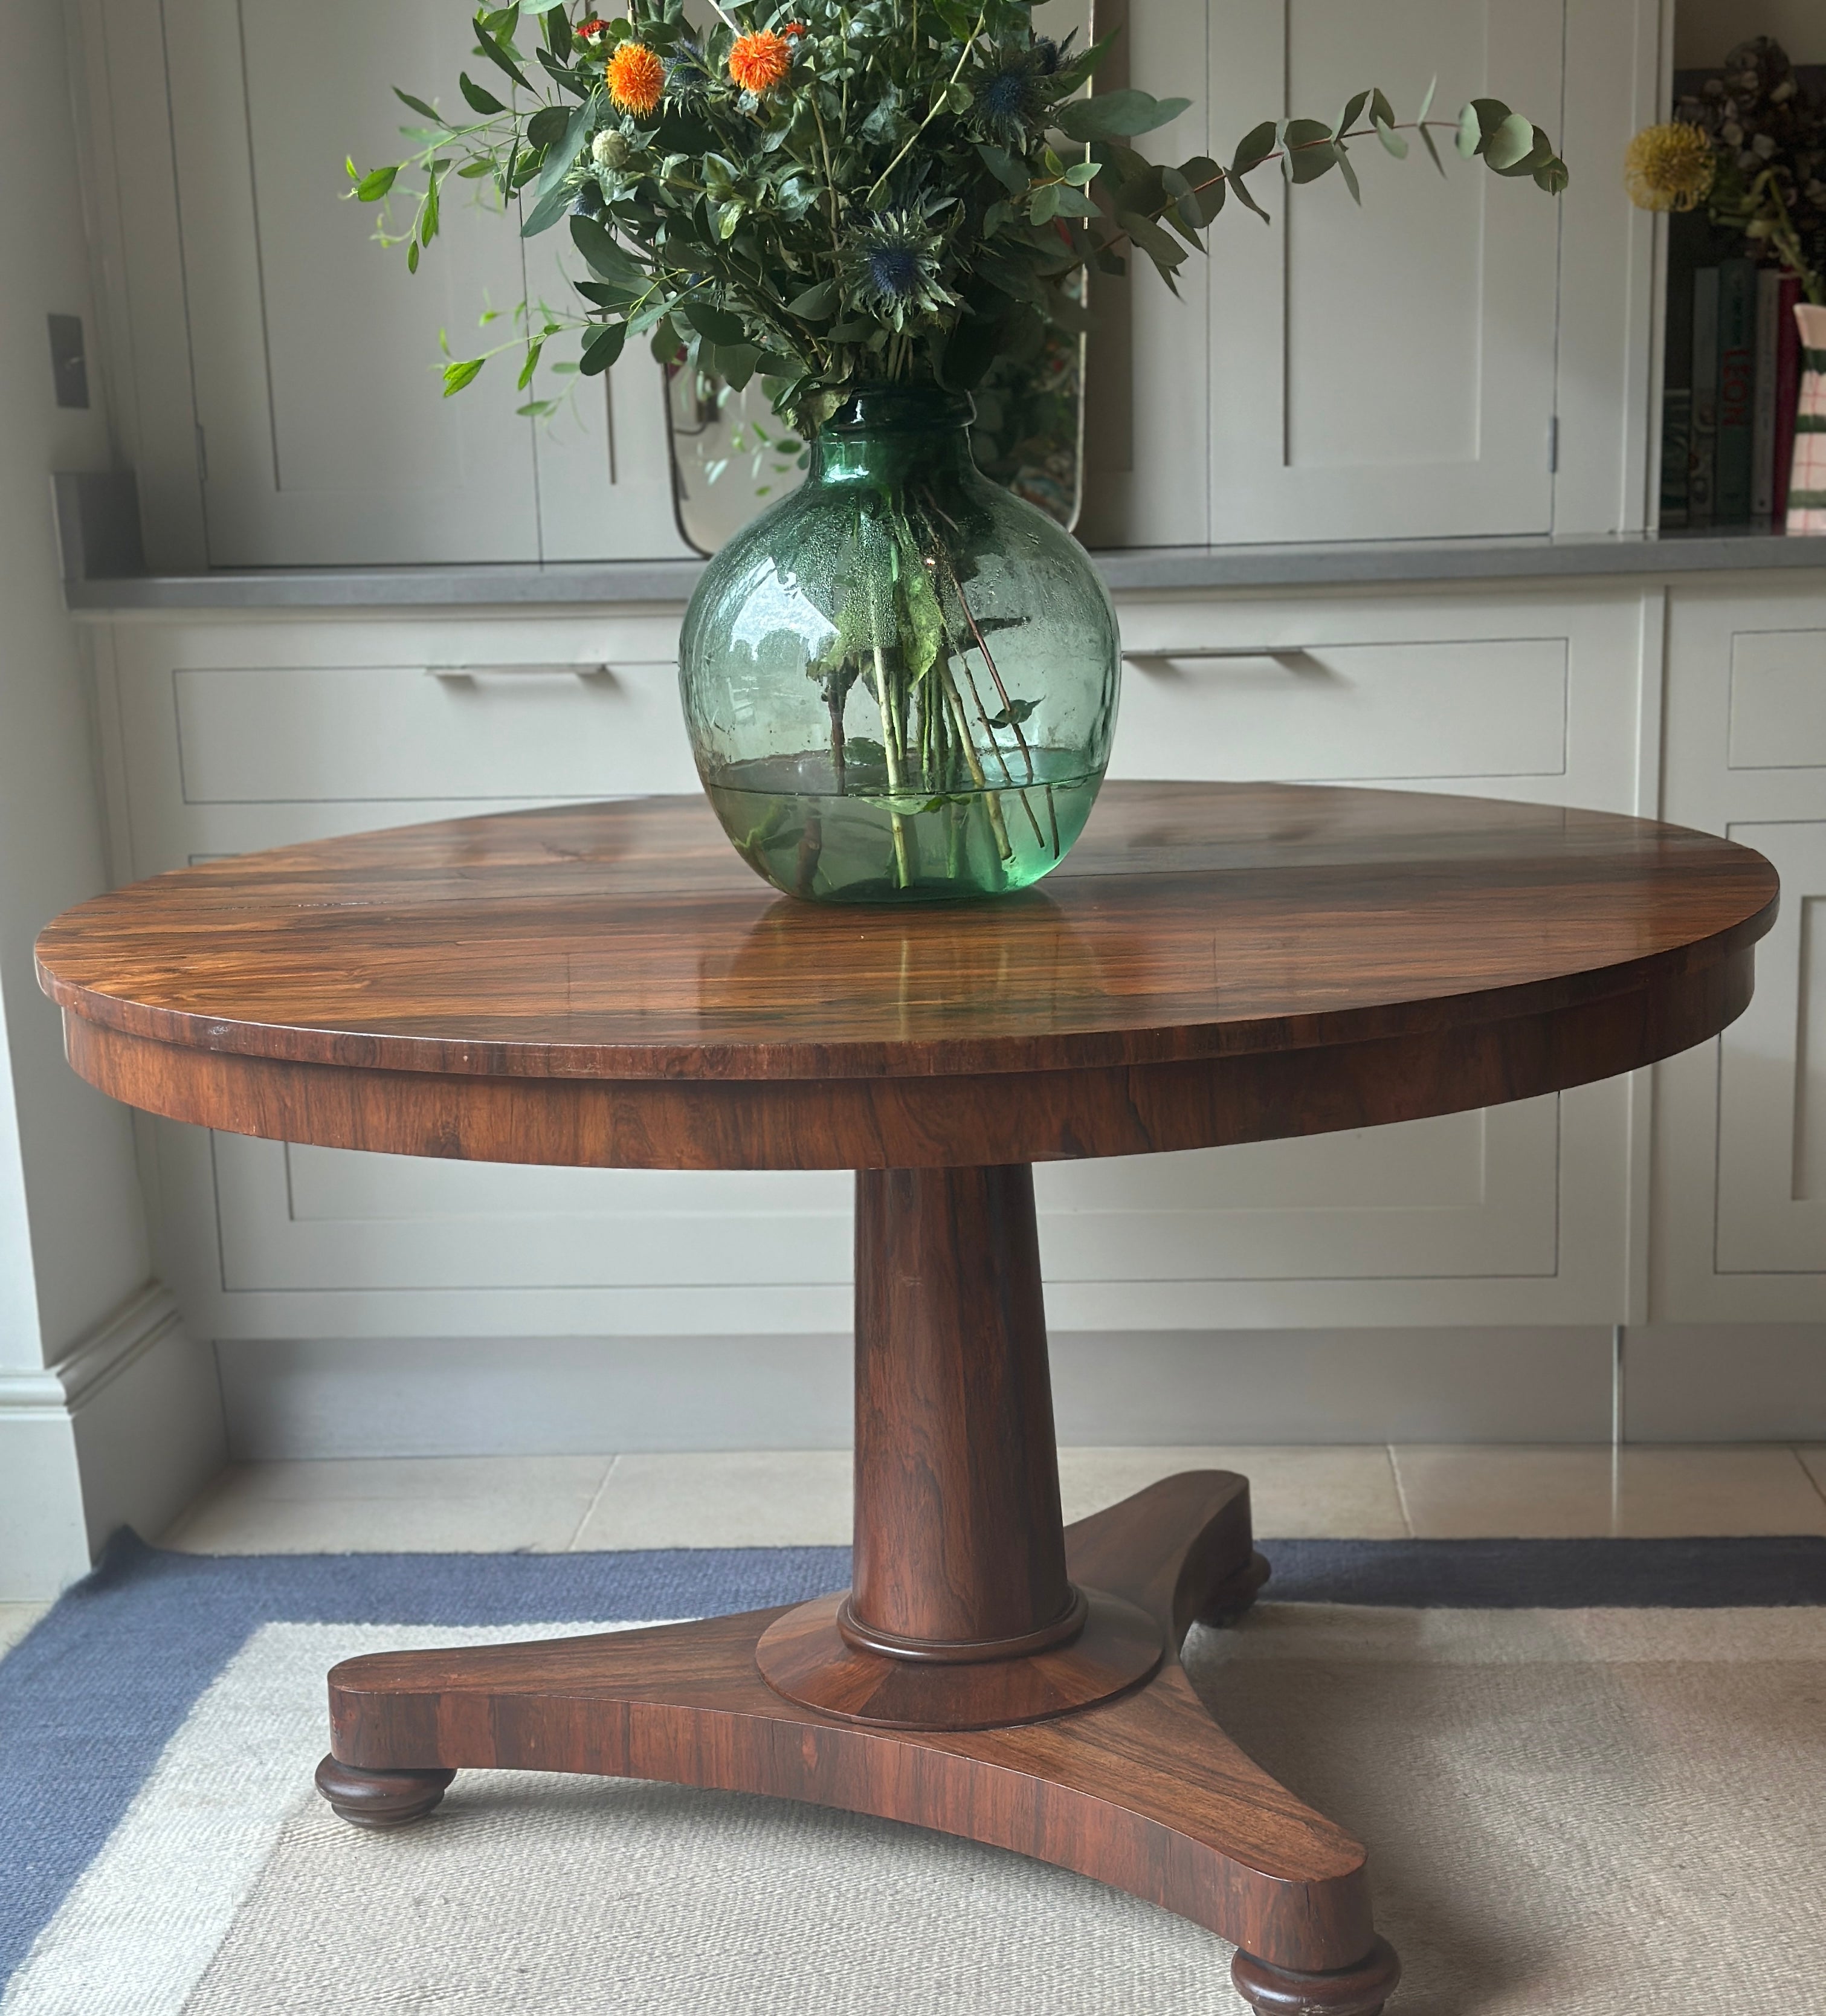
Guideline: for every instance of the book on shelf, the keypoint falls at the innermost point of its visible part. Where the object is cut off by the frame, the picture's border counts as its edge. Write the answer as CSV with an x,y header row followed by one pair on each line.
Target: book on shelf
x,y
1788,392
1762,416
1702,452
1737,392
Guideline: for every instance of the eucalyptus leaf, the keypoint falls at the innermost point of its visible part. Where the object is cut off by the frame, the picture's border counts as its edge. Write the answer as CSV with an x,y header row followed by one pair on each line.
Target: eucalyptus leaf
x,y
1308,154
1349,175
602,349
1392,141
1004,167
1511,143
1470,136
1254,147
1205,189
1116,114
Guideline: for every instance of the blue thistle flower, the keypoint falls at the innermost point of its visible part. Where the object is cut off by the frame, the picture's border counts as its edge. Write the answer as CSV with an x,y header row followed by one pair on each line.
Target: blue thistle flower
x,y
891,267
1011,102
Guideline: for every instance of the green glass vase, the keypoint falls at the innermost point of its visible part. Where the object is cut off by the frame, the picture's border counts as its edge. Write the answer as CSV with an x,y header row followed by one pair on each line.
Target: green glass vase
x,y
900,682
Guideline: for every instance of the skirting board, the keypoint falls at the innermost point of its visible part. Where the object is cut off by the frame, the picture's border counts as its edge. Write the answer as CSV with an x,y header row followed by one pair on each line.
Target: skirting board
x,y
123,1430
340,1397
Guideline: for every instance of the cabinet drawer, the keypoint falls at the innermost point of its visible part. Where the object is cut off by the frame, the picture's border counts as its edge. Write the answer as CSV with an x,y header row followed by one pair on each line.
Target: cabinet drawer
x,y
1324,713
1513,695
532,727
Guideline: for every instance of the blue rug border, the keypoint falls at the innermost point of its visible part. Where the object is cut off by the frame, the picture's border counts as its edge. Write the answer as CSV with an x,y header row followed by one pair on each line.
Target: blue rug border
x,y
129,1649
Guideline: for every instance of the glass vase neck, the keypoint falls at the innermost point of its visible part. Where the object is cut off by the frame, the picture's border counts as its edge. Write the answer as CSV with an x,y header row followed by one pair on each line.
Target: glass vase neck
x,y
883,435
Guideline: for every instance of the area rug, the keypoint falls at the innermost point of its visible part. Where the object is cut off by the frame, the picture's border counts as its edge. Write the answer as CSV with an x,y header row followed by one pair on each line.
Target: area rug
x,y
1592,1774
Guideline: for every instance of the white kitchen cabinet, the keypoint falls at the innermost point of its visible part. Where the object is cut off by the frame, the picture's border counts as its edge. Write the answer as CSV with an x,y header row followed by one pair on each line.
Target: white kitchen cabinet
x,y
1740,1158
308,355
1390,372
1384,372
228,735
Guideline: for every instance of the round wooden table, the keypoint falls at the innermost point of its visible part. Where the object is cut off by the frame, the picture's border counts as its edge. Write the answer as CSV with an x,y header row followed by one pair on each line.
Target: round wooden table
x,y
608,985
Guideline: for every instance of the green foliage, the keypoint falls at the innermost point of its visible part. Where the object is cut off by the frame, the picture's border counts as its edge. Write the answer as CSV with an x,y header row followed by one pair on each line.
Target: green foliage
x,y
918,190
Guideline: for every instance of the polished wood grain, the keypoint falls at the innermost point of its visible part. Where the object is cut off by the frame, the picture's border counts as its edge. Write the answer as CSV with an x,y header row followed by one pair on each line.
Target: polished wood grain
x,y
1143,1791
960,1542
608,985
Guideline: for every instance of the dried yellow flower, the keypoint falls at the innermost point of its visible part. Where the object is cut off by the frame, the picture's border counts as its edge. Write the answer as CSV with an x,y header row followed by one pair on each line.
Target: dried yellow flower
x,y
1670,166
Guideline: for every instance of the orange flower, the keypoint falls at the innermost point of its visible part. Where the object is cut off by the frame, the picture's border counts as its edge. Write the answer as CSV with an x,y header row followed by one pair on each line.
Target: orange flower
x,y
635,77
758,61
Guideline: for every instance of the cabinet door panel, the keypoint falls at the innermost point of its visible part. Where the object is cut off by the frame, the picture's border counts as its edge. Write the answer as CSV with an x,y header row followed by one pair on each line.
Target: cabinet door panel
x,y
1772,1077
326,438
300,1218
326,435
1778,700
1386,372
1468,1193
1739,1185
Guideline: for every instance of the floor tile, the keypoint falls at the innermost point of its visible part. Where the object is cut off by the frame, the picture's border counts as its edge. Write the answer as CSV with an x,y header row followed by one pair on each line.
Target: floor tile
x,y
1813,1460
16,1619
723,1498
412,1477
1497,1493
418,1505
1345,1492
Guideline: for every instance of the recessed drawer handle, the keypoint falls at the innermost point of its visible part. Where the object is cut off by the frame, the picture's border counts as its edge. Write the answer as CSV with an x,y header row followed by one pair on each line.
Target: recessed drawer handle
x,y
519,672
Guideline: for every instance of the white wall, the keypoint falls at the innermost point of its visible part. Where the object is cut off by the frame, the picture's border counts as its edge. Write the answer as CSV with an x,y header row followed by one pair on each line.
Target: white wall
x,y
73,1242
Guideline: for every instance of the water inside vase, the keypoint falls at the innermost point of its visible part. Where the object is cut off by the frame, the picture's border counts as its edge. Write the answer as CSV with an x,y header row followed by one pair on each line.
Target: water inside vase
x,y
858,840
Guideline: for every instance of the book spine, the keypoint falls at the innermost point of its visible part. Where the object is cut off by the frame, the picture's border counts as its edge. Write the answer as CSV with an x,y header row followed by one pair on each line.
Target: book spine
x,y
1763,416
1701,462
1788,390
1677,441
1737,354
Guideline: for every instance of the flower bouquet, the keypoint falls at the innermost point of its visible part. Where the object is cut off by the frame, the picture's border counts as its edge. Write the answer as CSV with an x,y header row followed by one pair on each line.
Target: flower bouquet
x,y
900,682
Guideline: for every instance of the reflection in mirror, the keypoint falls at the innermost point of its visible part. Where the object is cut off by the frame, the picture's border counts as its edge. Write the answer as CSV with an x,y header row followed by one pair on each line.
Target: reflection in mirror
x,y
732,456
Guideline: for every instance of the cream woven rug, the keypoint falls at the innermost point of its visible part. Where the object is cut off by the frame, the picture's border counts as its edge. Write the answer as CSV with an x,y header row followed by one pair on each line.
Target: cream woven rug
x,y
1598,1812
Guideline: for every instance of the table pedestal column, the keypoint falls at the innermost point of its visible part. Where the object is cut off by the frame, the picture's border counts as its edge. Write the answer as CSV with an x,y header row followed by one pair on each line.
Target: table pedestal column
x,y
962,1614
991,1674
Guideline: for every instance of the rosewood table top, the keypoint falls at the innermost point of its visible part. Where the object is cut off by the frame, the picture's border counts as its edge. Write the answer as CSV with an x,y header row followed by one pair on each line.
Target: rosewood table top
x,y
1151,991
608,984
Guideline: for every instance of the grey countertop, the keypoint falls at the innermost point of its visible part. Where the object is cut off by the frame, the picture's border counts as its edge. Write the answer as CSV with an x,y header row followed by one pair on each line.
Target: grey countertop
x,y
1131,571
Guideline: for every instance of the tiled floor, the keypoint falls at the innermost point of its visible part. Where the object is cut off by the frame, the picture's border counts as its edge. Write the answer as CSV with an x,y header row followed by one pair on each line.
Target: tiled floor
x,y
779,1498
16,1619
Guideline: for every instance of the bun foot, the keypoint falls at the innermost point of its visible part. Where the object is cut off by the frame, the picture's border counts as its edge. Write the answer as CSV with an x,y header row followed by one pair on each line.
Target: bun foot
x,y
1227,1602
1349,1991
380,1798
